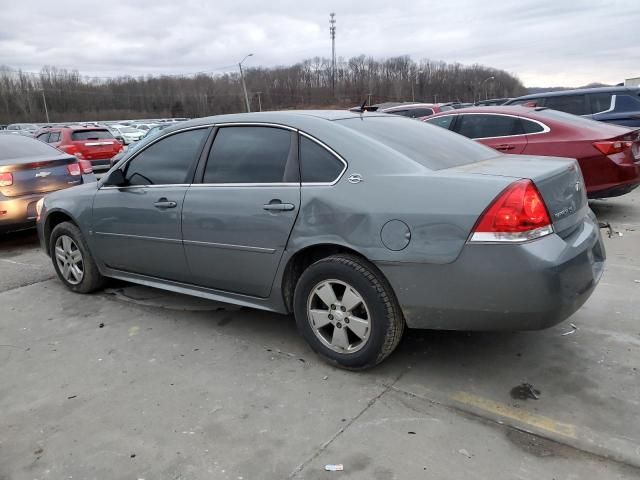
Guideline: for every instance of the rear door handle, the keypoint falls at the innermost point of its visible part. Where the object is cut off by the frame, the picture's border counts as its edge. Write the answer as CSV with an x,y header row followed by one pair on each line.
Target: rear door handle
x,y
163,203
278,206
505,146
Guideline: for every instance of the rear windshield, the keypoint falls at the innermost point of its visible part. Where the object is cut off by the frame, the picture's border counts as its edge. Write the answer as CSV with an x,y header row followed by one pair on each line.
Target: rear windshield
x,y
91,134
430,146
17,146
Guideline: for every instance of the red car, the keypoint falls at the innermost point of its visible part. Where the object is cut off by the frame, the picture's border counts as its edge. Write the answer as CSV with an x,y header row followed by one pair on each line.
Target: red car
x,y
609,155
95,144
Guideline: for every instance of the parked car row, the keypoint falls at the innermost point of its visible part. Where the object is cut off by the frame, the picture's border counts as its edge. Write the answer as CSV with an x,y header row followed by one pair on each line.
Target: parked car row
x,y
361,224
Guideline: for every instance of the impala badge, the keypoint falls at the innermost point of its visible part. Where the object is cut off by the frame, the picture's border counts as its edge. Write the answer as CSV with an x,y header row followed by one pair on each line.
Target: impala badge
x,y
43,174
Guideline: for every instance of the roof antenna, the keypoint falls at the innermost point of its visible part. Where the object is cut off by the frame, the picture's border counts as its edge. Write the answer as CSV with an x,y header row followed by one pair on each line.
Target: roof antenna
x,y
364,108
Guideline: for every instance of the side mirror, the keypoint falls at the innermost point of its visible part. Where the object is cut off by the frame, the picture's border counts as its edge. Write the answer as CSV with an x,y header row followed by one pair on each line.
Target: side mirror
x,y
116,178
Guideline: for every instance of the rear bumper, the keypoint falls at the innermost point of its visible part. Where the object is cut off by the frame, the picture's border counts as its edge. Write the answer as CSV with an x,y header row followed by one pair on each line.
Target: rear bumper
x,y
614,181
615,190
502,287
18,213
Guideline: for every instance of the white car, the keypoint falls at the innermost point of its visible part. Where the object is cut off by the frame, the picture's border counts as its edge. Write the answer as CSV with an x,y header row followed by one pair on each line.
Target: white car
x,y
129,134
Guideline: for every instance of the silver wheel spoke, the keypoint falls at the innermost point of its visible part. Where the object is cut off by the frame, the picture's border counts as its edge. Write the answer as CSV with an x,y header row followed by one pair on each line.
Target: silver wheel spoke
x,y
76,256
76,272
66,244
339,338
326,294
65,271
60,254
320,318
358,326
350,299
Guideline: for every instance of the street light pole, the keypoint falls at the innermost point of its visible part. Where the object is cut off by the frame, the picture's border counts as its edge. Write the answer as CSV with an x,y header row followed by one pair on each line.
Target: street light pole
x,y
44,100
244,86
484,82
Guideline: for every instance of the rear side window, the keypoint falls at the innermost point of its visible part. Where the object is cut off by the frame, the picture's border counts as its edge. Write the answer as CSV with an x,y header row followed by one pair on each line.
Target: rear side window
x,y
250,155
444,122
317,164
566,103
531,127
486,126
404,113
43,137
54,137
168,161
80,135
599,102
434,148
419,112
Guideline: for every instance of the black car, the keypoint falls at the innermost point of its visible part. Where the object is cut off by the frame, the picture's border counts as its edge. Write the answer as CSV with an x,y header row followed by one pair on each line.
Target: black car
x,y
29,169
620,105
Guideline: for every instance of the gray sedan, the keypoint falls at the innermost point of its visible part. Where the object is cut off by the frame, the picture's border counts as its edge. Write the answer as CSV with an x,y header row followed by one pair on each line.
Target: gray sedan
x,y
360,224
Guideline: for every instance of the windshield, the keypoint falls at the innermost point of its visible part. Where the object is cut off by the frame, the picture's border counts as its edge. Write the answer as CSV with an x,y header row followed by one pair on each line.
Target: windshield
x,y
432,147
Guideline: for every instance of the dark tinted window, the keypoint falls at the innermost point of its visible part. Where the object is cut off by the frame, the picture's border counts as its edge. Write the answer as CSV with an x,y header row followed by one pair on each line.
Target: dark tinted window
x,y
249,155
43,137
54,137
434,148
484,126
531,127
566,103
444,122
404,113
599,102
91,134
16,146
168,161
317,163
419,112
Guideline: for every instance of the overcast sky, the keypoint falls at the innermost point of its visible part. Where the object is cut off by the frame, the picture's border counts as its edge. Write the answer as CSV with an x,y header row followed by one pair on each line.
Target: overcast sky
x,y
543,42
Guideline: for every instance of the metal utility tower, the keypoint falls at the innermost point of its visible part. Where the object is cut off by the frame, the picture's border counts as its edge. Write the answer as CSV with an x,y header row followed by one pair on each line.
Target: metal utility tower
x,y
332,33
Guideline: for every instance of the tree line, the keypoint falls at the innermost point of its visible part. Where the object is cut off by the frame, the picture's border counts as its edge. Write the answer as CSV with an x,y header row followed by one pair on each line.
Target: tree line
x,y
69,96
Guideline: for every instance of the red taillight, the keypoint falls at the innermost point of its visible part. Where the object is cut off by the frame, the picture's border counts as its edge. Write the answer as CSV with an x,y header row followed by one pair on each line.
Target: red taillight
x,y
612,147
72,149
85,166
74,169
517,214
6,179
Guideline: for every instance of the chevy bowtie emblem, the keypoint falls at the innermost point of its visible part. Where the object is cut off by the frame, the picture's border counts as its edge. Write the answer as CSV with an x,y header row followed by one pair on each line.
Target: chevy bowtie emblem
x,y
577,186
43,174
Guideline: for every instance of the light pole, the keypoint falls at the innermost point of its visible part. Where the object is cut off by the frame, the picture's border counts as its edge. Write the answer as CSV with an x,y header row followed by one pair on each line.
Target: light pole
x,y
484,82
259,101
244,86
413,92
44,100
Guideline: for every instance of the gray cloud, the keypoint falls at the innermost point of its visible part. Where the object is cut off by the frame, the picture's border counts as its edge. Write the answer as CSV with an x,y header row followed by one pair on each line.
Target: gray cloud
x,y
544,42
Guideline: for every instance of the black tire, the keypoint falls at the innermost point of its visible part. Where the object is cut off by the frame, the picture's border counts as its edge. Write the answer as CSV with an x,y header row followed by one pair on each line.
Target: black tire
x,y
385,317
92,280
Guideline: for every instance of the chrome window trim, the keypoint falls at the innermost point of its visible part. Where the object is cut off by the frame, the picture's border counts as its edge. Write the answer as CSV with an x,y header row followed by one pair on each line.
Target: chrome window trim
x,y
164,185
275,184
138,237
332,152
546,128
230,246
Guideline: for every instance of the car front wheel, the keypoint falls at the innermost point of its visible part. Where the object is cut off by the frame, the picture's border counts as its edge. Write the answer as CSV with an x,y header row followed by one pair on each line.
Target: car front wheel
x,y
72,259
348,312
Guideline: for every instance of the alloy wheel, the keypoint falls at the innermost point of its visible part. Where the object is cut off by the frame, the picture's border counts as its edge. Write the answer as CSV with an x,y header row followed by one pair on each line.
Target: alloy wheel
x,y
69,259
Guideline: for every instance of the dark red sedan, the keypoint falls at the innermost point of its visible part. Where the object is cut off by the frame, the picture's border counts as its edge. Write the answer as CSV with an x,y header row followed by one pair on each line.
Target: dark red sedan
x,y
609,155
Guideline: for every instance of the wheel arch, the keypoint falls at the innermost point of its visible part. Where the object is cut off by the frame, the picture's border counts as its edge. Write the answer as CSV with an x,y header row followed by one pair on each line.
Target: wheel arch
x,y
306,256
54,218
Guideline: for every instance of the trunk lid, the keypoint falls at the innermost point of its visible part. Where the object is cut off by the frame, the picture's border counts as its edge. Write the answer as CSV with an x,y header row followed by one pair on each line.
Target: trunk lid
x,y
37,174
558,180
95,143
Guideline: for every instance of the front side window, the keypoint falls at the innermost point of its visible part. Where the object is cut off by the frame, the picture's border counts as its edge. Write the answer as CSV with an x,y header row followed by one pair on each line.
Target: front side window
x,y
167,162
566,103
317,164
251,155
487,126
444,122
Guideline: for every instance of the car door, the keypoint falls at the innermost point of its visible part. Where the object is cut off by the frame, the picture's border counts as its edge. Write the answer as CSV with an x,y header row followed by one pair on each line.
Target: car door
x,y
237,221
137,227
501,132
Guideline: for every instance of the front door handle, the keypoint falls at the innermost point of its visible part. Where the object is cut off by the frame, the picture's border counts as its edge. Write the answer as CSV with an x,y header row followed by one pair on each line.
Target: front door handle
x,y
278,206
163,203
505,146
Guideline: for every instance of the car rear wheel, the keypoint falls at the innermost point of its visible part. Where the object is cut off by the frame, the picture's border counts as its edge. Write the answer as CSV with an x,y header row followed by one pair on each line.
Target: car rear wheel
x,y
347,312
72,260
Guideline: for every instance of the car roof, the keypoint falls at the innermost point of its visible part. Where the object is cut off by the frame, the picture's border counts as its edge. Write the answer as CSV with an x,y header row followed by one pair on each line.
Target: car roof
x,y
291,118
409,106
580,91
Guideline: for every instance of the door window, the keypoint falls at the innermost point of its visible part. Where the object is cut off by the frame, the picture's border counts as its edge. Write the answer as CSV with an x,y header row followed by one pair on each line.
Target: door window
x,y
419,112
167,162
531,127
487,126
43,137
444,122
599,102
54,137
317,164
566,103
251,155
